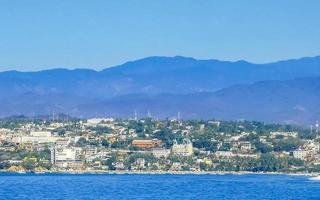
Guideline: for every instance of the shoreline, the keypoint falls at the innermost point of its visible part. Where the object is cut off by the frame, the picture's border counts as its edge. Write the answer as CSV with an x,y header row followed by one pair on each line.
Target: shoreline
x,y
97,172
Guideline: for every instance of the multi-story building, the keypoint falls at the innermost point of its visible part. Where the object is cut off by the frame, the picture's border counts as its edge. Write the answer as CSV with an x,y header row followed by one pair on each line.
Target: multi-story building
x,y
245,146
184,149
65,156
300,154
146,143
160,152
224,154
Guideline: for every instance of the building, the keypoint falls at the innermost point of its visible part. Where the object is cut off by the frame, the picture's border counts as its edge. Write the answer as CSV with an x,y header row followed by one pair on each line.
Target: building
x,y
224,154
40,134
96,121
62,142
91,153
247,155
161,153
184,149
2,137
311,146
300,154
283,134
66,156
35,137
140,163
245,146
147,144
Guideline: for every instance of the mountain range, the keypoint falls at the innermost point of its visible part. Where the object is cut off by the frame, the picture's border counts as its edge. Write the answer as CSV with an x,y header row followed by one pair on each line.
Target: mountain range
x,y
283,92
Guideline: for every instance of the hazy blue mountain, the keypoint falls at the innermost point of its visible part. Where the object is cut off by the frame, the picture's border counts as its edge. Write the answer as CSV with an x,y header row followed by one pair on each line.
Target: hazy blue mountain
x,y
153,75
166,85
294,101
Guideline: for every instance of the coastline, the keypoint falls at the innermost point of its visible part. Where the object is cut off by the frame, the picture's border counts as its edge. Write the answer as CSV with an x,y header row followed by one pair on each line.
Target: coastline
x,y
74,172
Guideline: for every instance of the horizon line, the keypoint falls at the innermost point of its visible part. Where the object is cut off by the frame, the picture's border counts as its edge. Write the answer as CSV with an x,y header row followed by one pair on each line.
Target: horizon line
x,y
139,59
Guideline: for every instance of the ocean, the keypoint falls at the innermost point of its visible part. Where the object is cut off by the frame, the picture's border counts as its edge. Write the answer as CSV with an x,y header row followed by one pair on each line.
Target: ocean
x,y
130,186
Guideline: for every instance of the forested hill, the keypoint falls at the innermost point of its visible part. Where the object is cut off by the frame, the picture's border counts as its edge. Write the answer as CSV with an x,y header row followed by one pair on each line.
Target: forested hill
x,y
285,91
154,75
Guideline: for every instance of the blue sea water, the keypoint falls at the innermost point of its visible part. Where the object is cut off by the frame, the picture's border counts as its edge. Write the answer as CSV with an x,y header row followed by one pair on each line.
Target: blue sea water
x,y
59,186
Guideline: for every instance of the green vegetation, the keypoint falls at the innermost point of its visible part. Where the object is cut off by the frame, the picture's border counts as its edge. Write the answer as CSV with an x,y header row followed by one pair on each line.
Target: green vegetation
x,y
244,145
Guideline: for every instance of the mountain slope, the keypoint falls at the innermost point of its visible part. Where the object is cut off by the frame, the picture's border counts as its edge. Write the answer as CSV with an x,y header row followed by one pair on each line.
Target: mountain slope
x,y
153,75
165,86
293,101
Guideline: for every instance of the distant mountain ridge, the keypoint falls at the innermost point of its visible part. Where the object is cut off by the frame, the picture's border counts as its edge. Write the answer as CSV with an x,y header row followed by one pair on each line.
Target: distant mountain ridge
x,y
169,84
154,75
293,102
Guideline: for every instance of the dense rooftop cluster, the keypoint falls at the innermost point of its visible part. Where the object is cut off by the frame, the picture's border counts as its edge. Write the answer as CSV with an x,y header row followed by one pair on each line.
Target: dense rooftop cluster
x,y
97,145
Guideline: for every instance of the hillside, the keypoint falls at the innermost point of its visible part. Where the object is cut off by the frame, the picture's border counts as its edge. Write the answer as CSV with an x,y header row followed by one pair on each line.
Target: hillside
x,y
285,91
293,101
153,75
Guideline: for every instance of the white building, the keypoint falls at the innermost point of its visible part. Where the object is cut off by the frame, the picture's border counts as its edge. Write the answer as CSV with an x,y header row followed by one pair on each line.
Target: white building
x,y
300,154
40,134
161,153
62,142
65,156
96,121
184,149
91,153
2,137
34,139
140,162
284,134
245,146
225,154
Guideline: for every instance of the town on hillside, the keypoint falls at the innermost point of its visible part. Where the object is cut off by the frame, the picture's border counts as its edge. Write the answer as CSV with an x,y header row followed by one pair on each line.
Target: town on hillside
x,y
148,145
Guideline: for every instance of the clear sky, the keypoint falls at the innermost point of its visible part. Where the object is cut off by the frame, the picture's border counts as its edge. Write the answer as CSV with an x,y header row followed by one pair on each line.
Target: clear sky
x,y
42,34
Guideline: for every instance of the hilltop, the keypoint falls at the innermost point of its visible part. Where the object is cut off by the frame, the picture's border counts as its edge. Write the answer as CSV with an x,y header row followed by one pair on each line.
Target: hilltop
x,y
280,91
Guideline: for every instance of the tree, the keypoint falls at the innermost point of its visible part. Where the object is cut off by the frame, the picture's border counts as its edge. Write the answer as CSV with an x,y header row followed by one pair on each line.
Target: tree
x,y
286,145
81,142
110,162
99,130
263,148
166,136
105,143
295,162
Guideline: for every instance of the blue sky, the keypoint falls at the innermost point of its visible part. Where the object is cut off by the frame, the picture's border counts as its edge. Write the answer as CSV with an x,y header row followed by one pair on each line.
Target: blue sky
x,y
38,34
